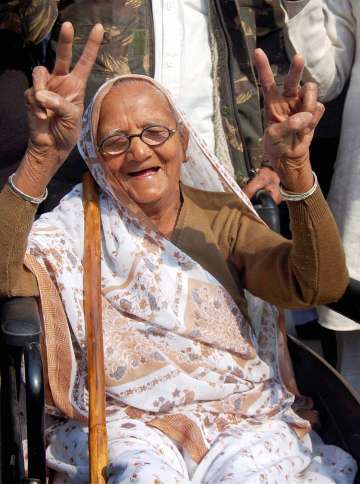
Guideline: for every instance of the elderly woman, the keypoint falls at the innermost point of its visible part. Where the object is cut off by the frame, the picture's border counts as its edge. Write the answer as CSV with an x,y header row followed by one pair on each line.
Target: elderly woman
x,y
194,392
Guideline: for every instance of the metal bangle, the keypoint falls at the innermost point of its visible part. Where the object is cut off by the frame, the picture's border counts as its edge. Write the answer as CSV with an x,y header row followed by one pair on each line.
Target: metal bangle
x,y
24,196
297,197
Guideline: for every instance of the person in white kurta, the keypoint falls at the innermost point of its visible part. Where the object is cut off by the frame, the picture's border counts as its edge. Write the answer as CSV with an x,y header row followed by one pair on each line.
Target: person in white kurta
x,y
327,33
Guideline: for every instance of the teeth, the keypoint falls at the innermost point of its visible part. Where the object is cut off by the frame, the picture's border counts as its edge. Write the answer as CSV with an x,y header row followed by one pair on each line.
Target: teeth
x,y
134,173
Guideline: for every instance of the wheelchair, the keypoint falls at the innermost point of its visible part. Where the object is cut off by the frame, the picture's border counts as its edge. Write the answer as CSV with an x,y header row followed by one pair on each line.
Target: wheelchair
x,y
337,403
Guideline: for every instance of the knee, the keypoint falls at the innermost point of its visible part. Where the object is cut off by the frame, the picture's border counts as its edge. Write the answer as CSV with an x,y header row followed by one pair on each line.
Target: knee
x,y
144,467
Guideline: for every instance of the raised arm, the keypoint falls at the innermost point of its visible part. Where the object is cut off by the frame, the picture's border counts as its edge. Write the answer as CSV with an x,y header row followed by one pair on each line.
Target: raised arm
x,y
324,32
55,106
310,269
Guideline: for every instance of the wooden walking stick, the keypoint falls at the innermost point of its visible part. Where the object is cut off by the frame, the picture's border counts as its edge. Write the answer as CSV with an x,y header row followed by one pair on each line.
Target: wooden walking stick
x,y
98,453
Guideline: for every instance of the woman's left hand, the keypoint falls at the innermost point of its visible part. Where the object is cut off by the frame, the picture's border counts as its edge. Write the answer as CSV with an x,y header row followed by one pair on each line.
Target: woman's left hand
x,y
291,121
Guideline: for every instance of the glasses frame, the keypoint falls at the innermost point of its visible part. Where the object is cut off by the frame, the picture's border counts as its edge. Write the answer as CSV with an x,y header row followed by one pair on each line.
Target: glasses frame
x,y
129,137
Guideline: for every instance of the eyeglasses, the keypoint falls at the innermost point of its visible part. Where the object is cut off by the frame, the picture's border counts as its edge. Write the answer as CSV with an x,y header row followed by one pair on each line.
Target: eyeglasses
x,y
119,142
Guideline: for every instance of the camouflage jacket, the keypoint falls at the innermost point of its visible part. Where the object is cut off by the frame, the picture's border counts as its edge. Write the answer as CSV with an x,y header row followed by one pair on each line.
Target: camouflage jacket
x,y
236,28
33,19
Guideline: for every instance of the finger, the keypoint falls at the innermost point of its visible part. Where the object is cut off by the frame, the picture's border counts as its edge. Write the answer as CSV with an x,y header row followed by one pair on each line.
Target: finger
x,y
64,50
268,180
293,77
309,97
254,185
317,115
40,77
251,188
84,65
59,105
274,192
296,124
33,106
265,74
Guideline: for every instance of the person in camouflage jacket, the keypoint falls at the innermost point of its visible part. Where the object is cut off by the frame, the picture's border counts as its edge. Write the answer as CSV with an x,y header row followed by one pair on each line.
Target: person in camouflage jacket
x,y
33,19
237,27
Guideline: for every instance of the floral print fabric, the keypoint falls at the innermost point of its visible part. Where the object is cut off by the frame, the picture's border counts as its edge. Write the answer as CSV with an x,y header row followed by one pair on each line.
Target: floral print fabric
x,y
269,453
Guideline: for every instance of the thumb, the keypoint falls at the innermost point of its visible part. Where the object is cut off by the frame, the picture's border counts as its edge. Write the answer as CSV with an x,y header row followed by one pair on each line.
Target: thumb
x,y
253,186
299,123
57,104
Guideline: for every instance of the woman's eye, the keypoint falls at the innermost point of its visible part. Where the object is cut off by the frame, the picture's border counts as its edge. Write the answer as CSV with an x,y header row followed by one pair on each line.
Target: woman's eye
x,y
117,140
156,133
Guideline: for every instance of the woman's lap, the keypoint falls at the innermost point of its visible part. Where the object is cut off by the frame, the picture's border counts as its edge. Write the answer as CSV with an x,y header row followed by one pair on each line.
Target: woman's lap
x,y
248,454
271,453
137,453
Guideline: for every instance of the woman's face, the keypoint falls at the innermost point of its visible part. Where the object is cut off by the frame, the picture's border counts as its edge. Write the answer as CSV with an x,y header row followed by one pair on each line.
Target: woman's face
x,y
149,174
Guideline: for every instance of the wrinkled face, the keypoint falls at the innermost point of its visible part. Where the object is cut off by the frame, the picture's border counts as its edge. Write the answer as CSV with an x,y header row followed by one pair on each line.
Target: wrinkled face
x,y
149,174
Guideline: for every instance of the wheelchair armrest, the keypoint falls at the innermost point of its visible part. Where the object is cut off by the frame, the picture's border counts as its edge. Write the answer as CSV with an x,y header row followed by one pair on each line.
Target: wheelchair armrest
x,y
20,321
349,304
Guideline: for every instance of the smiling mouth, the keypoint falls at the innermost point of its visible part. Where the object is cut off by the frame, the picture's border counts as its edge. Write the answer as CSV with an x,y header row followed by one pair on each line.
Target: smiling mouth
x,y
144,173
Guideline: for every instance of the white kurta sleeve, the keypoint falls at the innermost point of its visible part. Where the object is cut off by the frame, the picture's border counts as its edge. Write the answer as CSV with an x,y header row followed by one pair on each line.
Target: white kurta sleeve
x,y
324,32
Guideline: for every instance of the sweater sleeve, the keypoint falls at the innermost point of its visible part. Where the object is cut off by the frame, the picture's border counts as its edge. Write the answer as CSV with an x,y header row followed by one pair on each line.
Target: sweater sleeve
x,y
16,219
324,32
307,271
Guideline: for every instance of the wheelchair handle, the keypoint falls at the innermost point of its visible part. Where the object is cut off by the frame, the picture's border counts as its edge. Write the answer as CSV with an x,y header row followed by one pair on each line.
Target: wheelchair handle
x,y
267,209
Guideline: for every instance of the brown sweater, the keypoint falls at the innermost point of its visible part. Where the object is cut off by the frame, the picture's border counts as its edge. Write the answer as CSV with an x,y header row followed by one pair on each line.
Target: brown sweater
x,y
217,231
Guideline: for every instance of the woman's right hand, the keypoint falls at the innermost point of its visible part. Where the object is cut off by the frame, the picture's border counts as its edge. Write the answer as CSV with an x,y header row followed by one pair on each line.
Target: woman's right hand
x,y
55,106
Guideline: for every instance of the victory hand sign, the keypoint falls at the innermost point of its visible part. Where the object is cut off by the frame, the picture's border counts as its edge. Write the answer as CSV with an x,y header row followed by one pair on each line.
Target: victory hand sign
x,y
291,117
55,106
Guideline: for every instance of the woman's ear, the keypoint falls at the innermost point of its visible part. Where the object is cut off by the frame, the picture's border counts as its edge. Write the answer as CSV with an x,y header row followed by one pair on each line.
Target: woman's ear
x,y
184,136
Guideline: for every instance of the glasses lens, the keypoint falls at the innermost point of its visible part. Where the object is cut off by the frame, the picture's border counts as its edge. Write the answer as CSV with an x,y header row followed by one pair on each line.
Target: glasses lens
x,y
115,144
155,135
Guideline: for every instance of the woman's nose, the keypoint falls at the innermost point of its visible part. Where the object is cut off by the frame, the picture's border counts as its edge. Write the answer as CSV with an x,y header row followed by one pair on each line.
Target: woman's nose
x,y
138,150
